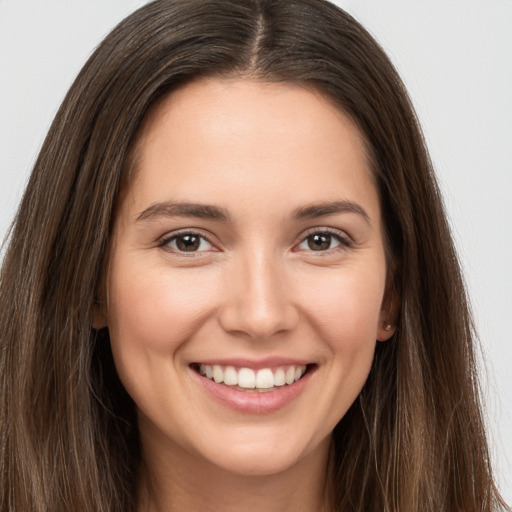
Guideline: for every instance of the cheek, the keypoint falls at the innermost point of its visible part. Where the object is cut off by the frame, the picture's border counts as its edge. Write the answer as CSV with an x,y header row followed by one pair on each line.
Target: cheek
x,y
155,309
345,311
342,311
153,312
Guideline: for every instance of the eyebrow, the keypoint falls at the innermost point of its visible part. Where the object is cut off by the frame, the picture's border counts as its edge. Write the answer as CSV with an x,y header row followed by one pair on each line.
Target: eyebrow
x,y
330,208
179,209
205,211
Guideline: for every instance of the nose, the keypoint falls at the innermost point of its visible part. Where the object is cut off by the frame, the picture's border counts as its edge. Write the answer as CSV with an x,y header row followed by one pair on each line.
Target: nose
x,y
258,301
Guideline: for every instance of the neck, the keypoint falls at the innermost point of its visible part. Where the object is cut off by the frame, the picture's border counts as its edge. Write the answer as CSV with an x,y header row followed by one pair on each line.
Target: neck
x,y
176,480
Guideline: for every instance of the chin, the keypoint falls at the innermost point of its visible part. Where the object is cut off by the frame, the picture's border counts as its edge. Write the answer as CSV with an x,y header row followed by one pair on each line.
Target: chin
x,y
258,464
265,458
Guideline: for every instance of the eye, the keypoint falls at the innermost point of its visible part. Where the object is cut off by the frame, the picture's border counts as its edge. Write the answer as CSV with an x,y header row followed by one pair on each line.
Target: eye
x,y
186,243
322,241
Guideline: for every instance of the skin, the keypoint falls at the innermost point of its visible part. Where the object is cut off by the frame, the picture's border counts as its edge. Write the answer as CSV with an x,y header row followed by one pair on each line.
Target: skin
x,y
256,289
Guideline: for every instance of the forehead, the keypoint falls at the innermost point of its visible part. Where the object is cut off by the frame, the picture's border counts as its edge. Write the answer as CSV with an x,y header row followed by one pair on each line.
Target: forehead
x,y
215,136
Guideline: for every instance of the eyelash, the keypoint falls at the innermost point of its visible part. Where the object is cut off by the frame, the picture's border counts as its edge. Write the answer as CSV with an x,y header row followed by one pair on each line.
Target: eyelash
x,y
344,241
164,243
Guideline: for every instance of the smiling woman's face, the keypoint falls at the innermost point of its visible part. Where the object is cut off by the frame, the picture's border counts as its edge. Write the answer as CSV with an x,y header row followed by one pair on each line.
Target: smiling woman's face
x,y
248,248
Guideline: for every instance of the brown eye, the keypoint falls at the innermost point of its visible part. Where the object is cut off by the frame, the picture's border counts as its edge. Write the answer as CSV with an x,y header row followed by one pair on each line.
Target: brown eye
x,y
187,242
323,241
319,241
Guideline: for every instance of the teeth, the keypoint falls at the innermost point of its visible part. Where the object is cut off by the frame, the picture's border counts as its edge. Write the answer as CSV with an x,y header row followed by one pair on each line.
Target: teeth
x,y
279,377
247,378
265,379
289,377
218,374
230,376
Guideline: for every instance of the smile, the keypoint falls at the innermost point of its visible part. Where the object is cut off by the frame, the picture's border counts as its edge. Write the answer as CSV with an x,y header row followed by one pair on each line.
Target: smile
x,y
259,390
247,379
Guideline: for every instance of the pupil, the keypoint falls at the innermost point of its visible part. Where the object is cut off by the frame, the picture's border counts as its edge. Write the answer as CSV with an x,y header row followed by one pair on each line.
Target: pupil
x,y
319,242
188,243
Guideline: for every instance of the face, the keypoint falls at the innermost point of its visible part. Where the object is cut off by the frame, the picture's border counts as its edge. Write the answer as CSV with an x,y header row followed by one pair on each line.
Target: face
x,y
247,276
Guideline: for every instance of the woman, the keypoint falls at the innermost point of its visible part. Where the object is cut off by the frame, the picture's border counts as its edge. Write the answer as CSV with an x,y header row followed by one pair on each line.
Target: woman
x,y
302,343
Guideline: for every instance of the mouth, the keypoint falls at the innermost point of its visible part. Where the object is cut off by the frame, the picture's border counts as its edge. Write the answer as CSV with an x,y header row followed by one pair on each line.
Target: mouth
x,y
261,380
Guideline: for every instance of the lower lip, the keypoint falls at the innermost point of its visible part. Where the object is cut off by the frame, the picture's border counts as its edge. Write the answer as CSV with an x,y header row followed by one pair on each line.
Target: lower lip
x,y
254,402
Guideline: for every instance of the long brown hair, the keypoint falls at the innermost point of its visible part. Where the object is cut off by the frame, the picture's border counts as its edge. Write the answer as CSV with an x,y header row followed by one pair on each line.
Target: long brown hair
x,y
413,441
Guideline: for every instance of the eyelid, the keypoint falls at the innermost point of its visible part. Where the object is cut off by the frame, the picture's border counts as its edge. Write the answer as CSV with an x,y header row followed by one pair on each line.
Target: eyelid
x,y
345,240
164,240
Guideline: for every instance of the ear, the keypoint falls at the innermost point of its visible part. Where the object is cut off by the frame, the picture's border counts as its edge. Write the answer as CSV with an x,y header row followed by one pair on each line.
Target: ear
x,y
388,317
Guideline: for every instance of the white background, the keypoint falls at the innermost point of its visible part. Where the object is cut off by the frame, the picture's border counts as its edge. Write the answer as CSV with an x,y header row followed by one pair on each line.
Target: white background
x,y
455,57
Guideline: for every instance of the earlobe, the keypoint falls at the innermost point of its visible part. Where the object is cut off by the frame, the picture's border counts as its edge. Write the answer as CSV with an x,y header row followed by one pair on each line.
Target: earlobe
x,y
385,331
388,316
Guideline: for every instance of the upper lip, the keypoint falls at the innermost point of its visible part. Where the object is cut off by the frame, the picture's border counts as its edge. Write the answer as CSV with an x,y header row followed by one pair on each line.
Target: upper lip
x,y
255,364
